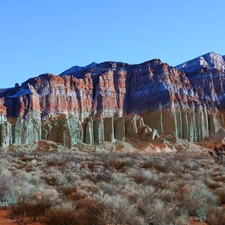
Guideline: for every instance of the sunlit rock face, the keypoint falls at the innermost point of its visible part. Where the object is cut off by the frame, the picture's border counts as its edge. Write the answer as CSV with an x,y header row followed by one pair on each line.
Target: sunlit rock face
x,y
114,100
206,75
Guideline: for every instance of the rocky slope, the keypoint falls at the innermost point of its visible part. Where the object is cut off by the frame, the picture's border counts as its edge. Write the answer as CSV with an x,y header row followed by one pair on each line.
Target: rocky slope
x,y
114,100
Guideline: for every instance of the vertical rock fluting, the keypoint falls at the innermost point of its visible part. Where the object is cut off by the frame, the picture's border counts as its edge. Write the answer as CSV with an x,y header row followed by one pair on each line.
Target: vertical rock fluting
x,y
56,129
109,129
108,101
99,136
185,121
27,130
119,129
89,132
5,132
5,127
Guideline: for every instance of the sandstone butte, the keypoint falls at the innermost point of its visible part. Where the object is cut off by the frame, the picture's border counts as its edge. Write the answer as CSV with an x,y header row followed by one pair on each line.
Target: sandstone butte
x,y
114,100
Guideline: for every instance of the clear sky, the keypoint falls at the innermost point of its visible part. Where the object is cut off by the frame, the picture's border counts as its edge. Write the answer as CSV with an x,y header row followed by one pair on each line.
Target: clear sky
x,y
40,36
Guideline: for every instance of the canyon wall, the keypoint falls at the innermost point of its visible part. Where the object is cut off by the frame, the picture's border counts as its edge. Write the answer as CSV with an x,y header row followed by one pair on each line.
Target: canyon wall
x,y
108,101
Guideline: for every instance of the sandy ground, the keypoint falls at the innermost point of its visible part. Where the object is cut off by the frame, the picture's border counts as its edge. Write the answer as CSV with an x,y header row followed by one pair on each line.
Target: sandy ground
x,y
5,219
192,222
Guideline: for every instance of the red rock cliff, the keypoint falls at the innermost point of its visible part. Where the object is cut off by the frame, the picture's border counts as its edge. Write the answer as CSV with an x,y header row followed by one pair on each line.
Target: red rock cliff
x,y
100,102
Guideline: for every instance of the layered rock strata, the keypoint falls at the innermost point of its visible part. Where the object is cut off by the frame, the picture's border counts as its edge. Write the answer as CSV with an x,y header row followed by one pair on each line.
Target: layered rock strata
x,y
108,101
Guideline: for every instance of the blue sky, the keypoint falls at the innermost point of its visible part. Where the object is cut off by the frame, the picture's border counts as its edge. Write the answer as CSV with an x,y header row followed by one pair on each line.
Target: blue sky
x,y
53,35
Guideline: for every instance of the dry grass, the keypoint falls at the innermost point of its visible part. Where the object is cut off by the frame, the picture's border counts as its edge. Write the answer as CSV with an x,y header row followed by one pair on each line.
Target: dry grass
x,y
112,188
216,217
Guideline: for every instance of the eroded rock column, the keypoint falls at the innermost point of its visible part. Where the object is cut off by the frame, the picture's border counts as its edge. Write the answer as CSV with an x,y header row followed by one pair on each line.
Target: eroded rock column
x,y
98,129
119,128
5,133
109,129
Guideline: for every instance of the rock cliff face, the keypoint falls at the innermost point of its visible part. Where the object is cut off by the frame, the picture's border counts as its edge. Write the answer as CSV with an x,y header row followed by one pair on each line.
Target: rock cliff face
x,y
113,100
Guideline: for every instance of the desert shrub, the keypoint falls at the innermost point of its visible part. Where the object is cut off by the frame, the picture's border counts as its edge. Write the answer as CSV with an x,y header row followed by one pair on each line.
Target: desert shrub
x,y
121,179
4,162
166,195
16,154
161,168
131,193
22,176
72,177
118,210
133,172
55,159
6,179
105,175
79,189
138,177
181,157
7,190
197,199
191,165
129,162
167,177
116,161
55,178
119,164
220,192
32,178
216,216
204,173
78,194
155,163
137,193
158,212
89,212
72,166
64,214
174,185
65,191
27,157
99,173
182,218
146,187
147,163
212,184
218,170
151,177
146,177
187,176
34,201
220,178
107,188
86,185
145,192
47,195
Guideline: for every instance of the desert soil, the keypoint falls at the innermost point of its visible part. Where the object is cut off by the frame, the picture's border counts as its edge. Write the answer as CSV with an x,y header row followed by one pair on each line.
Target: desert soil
x,y
5,219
